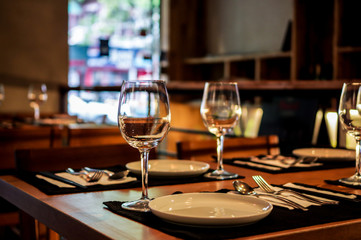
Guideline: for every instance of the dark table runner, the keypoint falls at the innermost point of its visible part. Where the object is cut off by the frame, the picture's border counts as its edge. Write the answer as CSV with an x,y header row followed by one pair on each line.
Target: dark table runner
x,y
280,219
325,165
337,182
52,189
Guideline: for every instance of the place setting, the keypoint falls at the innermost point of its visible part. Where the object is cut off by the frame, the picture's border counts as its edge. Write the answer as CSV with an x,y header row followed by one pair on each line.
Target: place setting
x,y
173,171
80,180
301,159
240,210
161,172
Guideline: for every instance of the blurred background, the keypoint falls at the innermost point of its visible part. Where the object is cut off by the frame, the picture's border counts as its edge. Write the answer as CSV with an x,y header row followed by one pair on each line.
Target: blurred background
x,y
289,58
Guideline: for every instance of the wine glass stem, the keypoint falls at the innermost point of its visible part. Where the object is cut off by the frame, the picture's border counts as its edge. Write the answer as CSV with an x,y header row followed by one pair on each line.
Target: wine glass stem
x,y
220,141
358,156
144,155
36,112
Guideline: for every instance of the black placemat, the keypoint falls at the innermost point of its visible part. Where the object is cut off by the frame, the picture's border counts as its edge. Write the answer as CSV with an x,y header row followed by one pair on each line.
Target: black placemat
x,y
280,219
337,182
325,165
320,193
52,189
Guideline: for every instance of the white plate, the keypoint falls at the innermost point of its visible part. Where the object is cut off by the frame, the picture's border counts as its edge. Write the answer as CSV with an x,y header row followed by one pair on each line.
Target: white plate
x,y
210,209
326,153
170,168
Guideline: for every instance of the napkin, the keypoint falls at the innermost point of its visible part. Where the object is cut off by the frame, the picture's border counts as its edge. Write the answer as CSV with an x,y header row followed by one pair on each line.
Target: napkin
x,y
322,191
289,196
104,180
282,161
274,162
303,202
55,182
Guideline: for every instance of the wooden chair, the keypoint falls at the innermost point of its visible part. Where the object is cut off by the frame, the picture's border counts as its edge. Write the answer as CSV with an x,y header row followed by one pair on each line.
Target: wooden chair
x,y
93,136
20,138
10,140
54,159
233,147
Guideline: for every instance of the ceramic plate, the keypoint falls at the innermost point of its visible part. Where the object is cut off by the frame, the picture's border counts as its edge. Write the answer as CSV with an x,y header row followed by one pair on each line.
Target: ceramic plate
x,y
170,168
210,209
326,153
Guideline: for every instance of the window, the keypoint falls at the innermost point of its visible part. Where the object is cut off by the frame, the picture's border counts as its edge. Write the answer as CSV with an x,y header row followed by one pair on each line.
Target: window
x,y
110,41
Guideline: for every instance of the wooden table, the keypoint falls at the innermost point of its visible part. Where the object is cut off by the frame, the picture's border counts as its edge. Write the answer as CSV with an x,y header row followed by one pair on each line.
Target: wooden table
x,y
82,215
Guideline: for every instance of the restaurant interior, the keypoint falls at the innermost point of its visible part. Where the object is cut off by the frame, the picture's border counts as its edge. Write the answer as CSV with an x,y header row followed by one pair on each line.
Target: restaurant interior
x,y
288,61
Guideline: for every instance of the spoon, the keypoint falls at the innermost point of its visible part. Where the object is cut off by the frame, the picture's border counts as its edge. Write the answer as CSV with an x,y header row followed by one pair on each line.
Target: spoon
x,y
111,175
244,189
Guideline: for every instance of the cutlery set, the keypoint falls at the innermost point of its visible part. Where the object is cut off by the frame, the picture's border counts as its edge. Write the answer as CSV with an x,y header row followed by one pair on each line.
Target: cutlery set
x,y
244,189
278,162
94,175
111,175
269,191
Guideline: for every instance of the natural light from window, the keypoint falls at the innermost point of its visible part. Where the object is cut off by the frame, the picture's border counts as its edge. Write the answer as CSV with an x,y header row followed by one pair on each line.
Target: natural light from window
x,y
110,41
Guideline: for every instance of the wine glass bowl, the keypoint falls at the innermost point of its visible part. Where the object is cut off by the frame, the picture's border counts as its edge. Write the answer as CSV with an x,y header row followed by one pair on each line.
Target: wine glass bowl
x,y
220,111
37,95
144,121
349,112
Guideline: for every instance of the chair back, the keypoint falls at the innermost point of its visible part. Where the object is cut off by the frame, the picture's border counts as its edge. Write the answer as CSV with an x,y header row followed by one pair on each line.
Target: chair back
x,y
92,136
233,147
21,138
56,159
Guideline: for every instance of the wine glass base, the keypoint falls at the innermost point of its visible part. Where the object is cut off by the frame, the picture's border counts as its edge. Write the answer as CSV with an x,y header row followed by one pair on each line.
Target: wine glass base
x,y
354,180
140,205
221,175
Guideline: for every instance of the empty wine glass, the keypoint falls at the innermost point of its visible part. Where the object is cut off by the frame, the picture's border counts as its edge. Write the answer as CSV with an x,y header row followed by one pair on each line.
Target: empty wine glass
x,y
144,121
220,110
37,95
349,112
2,93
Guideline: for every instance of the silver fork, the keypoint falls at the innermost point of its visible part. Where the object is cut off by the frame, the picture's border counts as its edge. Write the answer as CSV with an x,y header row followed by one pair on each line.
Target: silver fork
x,y
268,188
87,176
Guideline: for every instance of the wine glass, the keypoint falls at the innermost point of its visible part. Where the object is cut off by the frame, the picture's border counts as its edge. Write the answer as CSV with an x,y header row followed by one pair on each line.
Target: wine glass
x,y
220,110
2,93
37,95
349,112
144,121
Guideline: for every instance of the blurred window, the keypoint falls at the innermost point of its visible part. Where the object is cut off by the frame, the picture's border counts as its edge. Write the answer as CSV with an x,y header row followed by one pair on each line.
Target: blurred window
x,y
110,41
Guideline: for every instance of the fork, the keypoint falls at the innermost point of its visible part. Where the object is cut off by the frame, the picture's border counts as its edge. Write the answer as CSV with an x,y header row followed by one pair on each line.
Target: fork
x,y
88,177
268,188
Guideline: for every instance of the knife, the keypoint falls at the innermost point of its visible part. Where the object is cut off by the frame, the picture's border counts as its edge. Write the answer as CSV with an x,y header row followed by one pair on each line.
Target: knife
x,y
257,165
61,179
321,191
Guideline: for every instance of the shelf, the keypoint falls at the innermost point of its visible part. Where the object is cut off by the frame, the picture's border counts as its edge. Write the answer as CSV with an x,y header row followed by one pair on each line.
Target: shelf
x,y
275,65
324,45
262,85
236,57
348,49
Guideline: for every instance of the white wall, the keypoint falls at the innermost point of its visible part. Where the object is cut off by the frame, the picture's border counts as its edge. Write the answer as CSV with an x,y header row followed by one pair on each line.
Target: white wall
x,y
33,47
246,26
16,101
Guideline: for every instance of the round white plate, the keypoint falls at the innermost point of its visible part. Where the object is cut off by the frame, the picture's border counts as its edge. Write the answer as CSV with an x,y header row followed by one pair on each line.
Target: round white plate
x,y
210,209
326,153
170,168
